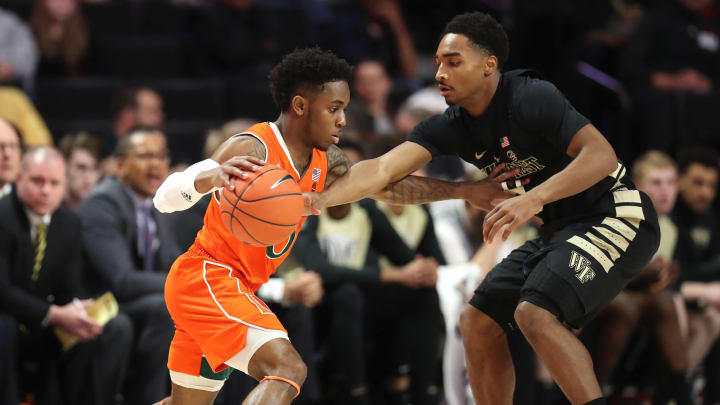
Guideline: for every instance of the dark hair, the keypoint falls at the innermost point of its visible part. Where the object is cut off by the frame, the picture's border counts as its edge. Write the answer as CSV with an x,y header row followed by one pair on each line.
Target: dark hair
x,y
484,31
127,97
80,140
700,155
303,68
124,145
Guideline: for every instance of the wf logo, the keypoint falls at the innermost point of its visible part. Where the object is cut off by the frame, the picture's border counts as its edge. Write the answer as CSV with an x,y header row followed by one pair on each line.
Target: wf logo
x,y
581,265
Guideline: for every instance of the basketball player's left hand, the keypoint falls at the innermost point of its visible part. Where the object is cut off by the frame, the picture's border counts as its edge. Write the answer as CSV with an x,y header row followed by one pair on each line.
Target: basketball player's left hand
x,y
488,192
314,203
508,215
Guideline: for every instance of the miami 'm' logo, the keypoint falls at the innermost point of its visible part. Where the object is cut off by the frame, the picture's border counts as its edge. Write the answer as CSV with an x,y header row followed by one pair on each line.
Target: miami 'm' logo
x,y
271,253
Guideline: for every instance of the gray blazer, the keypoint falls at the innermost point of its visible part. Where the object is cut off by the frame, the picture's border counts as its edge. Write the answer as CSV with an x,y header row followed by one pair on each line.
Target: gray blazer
x,y
110,238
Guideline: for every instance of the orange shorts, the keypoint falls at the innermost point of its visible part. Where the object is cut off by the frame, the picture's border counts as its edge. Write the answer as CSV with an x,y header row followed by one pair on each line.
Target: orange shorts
x,y
212,310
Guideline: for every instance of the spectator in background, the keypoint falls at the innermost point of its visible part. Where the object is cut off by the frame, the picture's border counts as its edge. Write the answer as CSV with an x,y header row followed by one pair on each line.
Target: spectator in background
x,y
62,36
133,107
18,54
386,16
418,106
130,247
82,152
137,106
217,136
414,225
235,36
10,150
698,251
41,262
374,29
342,245
365,302
699,235
17,108
369,113
672,67
601,28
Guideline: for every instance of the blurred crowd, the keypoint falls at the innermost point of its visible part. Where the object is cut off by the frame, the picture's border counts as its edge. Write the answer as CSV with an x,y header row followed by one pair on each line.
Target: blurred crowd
x,y
101,99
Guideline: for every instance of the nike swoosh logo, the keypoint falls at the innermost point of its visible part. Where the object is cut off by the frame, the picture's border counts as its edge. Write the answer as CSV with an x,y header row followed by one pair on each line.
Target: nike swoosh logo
x,y
284,179
478,157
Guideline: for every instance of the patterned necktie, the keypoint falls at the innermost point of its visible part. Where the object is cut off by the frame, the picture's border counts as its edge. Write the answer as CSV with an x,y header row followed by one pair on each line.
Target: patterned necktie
x,y
40,245
148,239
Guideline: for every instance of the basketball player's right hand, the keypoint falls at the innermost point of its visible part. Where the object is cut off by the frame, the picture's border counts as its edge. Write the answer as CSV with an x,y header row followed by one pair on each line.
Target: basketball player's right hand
x,y
237,166
485,194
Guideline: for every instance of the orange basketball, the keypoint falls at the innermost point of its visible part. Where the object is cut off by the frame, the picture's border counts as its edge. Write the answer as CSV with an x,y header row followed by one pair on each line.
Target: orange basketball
x,y
264,209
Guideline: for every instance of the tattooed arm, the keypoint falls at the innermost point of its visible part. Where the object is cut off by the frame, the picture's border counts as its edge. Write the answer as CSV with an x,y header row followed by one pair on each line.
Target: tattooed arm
x,y
420,190
338,164
386,178
367,177
237,155
483,194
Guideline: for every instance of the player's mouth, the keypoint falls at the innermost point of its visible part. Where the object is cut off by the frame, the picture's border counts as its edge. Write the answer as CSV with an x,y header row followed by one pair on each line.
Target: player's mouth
x,y
335,138
444,89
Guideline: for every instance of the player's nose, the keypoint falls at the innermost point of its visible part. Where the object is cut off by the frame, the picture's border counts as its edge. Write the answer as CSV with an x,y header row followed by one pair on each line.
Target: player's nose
x,y
440,76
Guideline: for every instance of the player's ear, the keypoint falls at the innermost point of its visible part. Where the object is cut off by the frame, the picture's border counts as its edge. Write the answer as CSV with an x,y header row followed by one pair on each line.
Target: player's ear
x,y
491,64
299,105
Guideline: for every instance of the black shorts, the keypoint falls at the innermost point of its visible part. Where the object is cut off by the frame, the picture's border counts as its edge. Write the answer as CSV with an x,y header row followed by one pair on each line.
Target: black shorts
x,y
575,273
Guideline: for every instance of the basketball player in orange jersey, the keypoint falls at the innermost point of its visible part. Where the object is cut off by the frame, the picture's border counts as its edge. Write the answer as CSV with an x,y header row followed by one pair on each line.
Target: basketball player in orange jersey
x,y
220,323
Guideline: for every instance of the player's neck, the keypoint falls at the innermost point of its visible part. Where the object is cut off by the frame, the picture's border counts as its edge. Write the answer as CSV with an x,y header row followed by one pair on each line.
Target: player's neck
x,y
479,102
292,132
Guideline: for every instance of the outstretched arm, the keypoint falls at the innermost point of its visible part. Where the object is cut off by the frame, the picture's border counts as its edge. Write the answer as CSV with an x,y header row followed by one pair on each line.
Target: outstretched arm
x,y
368,177
483,194
386,178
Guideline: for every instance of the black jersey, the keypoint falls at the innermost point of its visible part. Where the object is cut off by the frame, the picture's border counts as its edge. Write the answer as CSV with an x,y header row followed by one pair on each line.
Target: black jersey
x,y
528,125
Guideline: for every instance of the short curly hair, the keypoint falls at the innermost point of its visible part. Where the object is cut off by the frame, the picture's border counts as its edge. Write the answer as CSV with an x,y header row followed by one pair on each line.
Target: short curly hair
x,y
303,68
484,31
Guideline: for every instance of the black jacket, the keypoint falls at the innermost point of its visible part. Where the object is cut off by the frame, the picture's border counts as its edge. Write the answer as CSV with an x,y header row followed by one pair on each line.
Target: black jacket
x,y
110,237
59,280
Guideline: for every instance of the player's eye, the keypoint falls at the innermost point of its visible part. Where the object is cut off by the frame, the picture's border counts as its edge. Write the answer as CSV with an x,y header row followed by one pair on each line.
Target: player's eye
x,y
333,109
454,63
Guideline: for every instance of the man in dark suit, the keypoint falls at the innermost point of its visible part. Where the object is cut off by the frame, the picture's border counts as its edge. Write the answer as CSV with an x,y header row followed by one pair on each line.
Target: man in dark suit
x,y
131,247
40,279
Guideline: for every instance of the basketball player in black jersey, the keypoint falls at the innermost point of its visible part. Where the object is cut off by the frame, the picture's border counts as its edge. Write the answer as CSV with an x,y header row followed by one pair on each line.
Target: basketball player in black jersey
x,y
598,233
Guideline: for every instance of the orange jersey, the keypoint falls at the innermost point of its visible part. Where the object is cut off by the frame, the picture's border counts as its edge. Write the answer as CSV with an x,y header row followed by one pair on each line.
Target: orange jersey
x,y
256,263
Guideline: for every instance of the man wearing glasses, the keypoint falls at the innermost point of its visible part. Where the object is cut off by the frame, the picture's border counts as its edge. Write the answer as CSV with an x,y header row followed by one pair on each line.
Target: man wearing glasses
x,y
10,151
